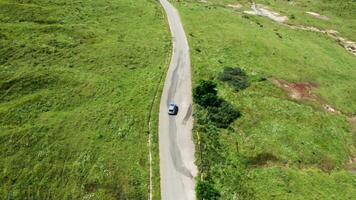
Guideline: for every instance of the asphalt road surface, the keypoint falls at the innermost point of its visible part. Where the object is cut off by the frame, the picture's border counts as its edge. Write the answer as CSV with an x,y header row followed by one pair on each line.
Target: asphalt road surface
x,y
176,148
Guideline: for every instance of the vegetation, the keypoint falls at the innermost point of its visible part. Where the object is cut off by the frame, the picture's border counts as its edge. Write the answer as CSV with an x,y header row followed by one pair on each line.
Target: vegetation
x,y
71,125
223,115
206,191
205,94
279,148
219,112
236,78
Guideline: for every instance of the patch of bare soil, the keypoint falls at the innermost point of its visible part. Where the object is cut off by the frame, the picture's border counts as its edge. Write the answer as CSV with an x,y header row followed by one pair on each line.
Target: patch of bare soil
x,y
352,120
318,16
297,91
265,12
234,6
263,159
203,1
351,165
303,91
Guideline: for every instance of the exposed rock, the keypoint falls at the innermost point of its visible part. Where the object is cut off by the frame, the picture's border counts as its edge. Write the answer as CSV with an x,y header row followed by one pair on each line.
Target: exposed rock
x,y
318,16
263,11
234,6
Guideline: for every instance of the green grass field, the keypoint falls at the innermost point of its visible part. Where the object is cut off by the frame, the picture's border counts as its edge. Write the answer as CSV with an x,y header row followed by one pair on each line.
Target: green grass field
x,y
77,80
280,148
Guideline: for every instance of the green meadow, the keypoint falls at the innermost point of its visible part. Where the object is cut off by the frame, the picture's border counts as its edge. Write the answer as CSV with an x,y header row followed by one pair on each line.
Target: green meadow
x,y
280,148
77,82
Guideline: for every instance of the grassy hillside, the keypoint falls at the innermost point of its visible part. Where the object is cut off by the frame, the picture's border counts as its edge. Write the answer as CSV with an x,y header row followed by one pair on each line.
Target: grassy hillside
x,y
280,148
71,123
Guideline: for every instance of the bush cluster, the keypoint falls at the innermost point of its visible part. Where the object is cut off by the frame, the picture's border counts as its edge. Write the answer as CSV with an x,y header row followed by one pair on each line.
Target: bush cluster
x,y
235,77
206,191
205,94
212,113
220,112
223,115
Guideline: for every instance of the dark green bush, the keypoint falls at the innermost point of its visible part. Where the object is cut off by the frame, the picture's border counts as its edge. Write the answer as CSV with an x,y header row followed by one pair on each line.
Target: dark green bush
x,y
220,112
206,191
235,77
205,94
223,115
210,100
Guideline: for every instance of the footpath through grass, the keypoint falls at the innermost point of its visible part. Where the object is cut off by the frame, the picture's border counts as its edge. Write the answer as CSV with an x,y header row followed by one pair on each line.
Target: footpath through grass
x,y
77,79
279,148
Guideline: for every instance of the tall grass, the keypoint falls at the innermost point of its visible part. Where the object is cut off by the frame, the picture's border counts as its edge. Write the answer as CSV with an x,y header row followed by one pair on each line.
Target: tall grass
x,y
71,123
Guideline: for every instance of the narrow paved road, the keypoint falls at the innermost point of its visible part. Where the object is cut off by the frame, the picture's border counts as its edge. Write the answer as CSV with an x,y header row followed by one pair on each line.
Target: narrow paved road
x,y
176,148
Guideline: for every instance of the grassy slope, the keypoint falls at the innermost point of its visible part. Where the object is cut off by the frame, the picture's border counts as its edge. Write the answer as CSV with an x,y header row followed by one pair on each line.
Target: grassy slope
x,y
71,125
341,14
305,148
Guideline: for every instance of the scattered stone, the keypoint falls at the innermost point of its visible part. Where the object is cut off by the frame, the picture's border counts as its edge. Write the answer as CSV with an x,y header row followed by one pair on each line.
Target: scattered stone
x,y
263,11
328,108
318,16
332,32
234,6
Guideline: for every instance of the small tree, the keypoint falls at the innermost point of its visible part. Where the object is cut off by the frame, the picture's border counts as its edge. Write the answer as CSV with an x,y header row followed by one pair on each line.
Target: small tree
x,y
205,94
235,77
206,191
223,115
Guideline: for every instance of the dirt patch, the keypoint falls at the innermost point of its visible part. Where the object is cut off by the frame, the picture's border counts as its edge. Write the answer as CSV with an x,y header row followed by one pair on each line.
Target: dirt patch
x,y
318,16
351,165
327,164
203,1
303,91
265,12
298,91
262,159
328,108
90,187
352,121
234,6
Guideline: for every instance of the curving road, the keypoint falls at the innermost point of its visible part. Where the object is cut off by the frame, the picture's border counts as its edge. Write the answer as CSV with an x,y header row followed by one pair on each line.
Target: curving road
x,y
176,148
